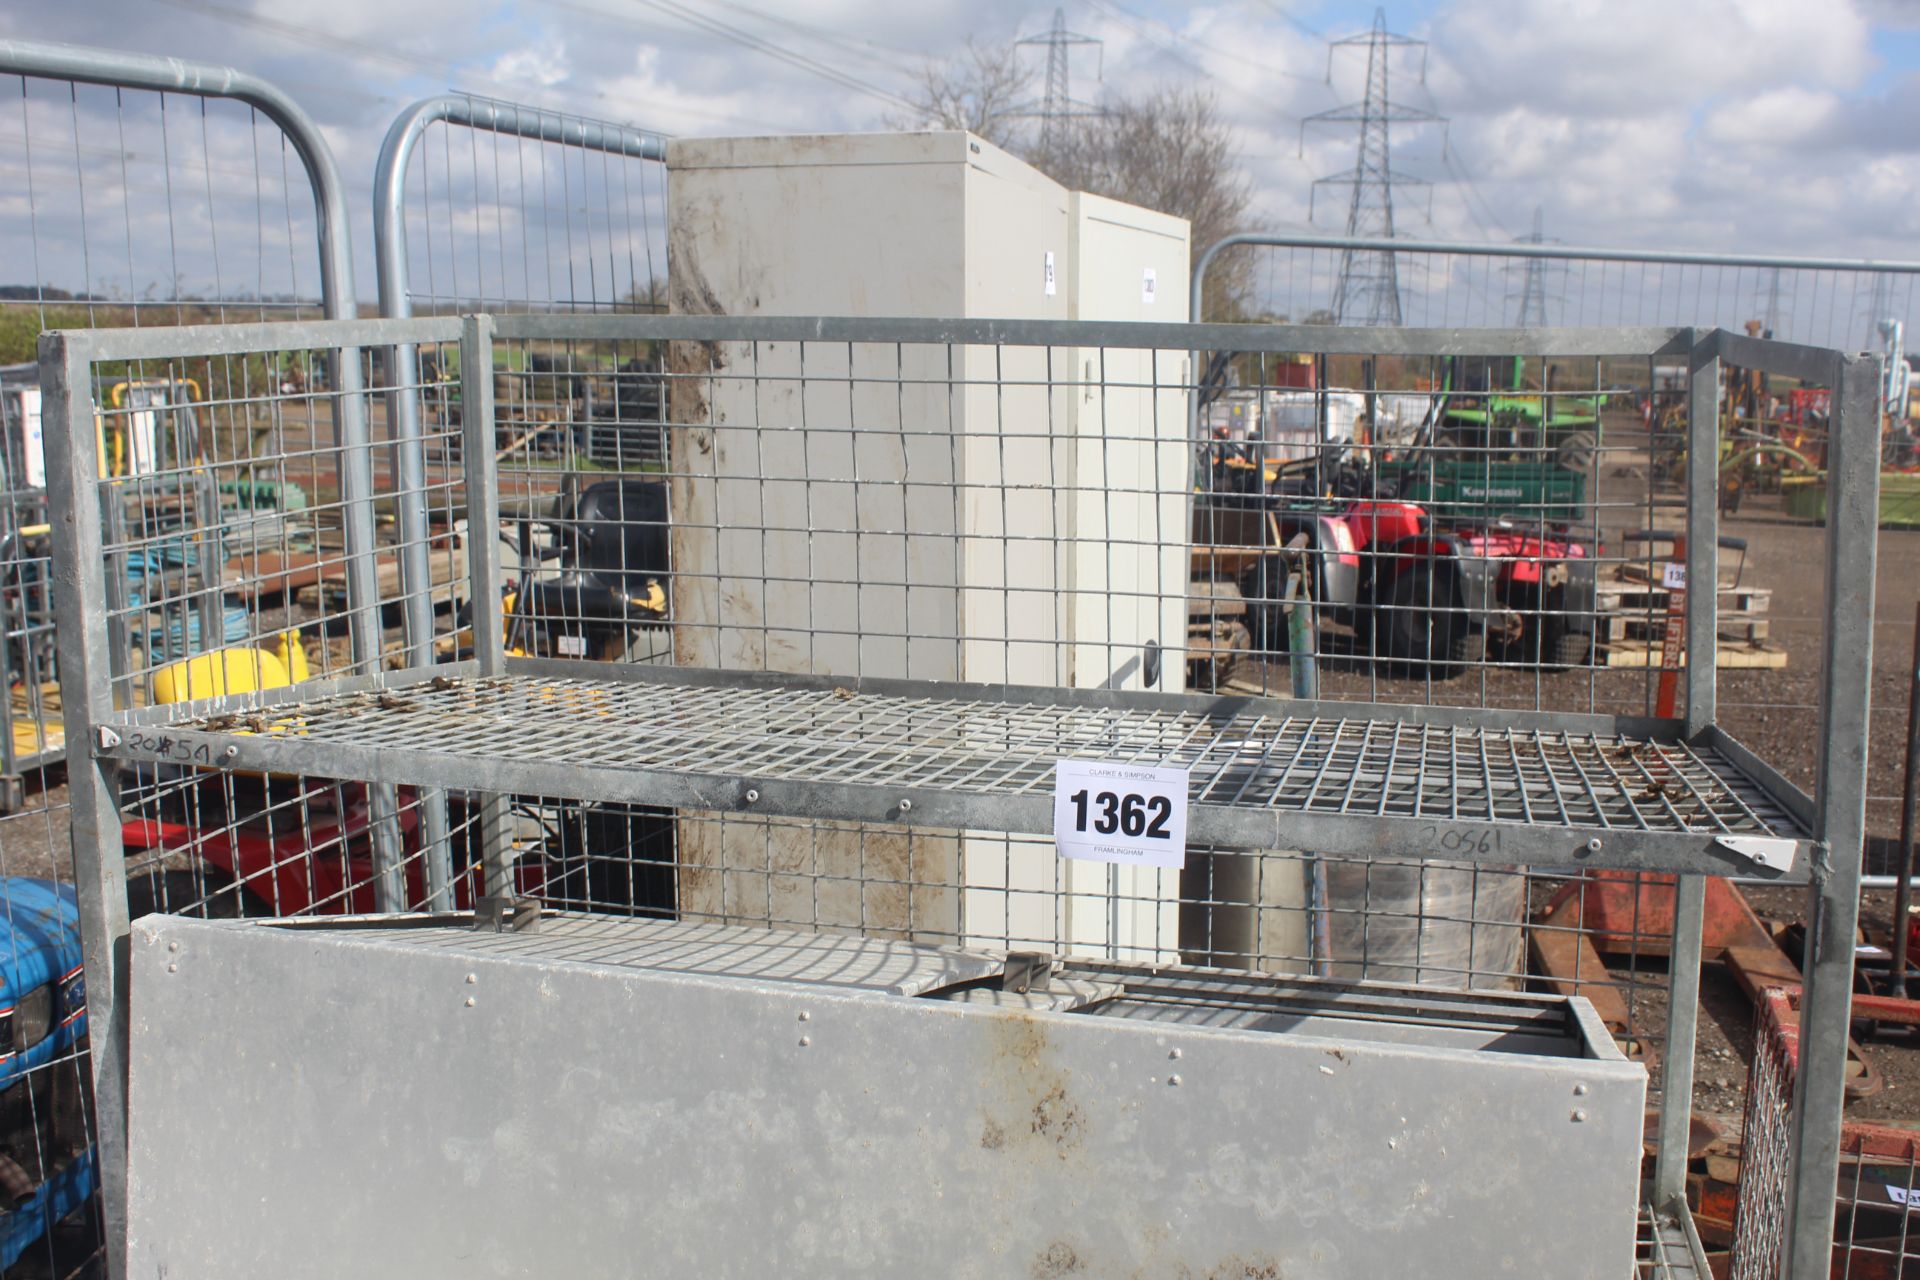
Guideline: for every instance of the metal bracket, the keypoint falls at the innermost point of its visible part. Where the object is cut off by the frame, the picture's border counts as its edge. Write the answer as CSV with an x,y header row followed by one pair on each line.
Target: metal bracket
x,y
104,738
1026,971
506,915
1763,851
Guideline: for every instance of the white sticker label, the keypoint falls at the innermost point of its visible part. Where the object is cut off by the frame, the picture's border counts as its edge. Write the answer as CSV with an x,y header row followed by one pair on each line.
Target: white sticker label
x,y
1147,285
1900,1195
571,646
1675,577
1050,285
1135,815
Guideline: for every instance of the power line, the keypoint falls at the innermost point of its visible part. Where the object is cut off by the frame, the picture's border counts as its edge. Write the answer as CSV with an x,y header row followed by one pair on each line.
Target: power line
x,y
746,39
881,55
303,34
1456,167
1139,22
1295,22
1124,18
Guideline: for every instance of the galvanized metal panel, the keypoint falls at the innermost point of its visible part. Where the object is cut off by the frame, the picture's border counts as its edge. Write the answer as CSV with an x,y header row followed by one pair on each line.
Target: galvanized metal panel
x,y
402,1108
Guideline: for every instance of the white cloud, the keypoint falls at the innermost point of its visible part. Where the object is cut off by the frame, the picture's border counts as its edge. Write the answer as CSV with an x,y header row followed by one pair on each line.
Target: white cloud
x,y
1624,57
1787,116
544,64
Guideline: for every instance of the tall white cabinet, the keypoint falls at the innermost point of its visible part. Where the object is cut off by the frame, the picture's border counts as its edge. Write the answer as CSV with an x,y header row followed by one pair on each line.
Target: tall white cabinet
x,y
1015,515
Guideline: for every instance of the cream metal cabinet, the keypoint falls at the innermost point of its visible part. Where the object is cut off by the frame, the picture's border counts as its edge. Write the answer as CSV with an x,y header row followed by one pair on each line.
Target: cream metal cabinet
x,y
951,535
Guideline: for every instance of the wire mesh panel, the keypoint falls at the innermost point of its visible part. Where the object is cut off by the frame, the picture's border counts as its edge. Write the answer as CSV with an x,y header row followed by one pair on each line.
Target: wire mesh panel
x,y
1006,514
818,670
1877,1179
146,207
232,544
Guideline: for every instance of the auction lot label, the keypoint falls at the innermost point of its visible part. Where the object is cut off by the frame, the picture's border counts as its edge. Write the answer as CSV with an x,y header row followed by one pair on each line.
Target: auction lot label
x,y
1134,815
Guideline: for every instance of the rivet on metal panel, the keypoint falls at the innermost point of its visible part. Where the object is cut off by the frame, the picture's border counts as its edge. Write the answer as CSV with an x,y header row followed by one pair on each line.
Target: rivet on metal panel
x,y
805,1016
805,1041
1593,845
173,946
472,978
470,1002
173,968
1580,1091
1173,1053
753,797
1579,1117
1173,1080
906,806
230,752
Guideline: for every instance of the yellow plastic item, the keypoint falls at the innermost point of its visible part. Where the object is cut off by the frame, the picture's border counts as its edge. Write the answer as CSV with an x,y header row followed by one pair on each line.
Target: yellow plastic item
x,y
292,655
235,669
30,737
656,601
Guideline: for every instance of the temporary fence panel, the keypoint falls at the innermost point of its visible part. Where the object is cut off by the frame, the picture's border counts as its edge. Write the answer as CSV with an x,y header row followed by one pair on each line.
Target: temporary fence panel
x,y
137,205
1440,728
517,208
502,207
146,191
1832,302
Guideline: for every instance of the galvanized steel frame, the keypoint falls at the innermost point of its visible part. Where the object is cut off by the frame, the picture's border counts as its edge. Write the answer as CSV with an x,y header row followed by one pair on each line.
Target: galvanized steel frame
x,y
1835,815
396,302
1833,902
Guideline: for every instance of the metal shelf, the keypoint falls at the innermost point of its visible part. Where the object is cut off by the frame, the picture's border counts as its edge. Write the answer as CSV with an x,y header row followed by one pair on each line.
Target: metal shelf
x,y
1478,785
1669,1246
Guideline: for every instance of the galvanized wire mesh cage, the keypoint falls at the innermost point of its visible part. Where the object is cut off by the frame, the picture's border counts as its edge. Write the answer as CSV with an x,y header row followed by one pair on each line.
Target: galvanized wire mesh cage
x,y
815,669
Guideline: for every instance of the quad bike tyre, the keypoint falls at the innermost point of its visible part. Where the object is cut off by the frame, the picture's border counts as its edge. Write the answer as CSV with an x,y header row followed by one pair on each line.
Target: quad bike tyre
x,y
1423,630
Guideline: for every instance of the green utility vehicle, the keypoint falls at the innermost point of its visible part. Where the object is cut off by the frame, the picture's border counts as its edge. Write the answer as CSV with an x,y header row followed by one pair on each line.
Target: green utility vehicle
x,y
1487,454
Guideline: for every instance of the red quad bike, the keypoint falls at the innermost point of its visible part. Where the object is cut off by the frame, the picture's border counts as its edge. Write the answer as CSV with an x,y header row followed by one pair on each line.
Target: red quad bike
x,y
1420,598
284,846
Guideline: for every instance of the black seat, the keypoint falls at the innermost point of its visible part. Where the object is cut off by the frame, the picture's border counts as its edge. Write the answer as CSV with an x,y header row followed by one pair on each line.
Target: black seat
x,y
613,549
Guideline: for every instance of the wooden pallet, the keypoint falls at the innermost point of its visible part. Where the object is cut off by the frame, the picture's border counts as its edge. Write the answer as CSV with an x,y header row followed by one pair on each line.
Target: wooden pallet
x,y
1614,628
1729,653
1632,608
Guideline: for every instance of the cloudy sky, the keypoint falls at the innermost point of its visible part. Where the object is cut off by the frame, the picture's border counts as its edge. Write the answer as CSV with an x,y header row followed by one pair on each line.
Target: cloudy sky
x,y
1757,125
